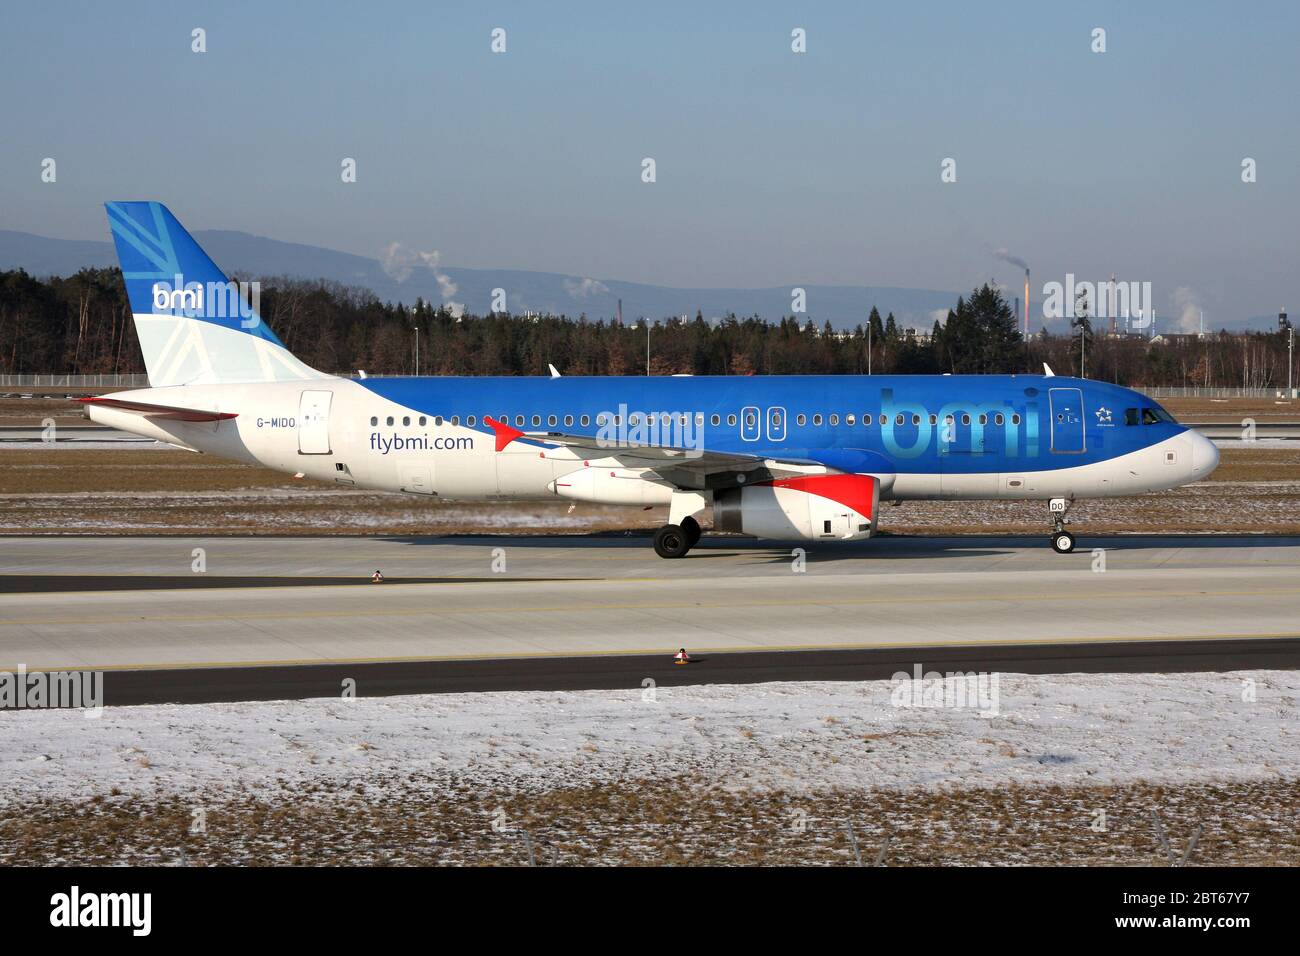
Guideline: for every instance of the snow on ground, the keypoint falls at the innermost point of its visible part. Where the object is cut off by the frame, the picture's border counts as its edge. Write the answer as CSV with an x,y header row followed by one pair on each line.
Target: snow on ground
x,y
796,737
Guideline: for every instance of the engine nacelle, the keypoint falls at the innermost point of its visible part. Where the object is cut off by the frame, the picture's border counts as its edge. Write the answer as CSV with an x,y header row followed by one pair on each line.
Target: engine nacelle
x,y
808,507
612,486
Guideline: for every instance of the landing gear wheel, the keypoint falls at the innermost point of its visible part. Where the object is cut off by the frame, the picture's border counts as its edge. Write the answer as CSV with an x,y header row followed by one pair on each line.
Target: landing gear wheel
x,y
692,529
1062,540
671,541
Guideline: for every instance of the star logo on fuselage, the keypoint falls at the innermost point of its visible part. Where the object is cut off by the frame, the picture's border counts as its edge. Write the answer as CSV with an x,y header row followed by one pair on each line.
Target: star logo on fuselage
x,y
1103,415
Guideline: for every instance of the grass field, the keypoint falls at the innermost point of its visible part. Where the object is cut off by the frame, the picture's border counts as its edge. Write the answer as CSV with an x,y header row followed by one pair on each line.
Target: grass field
x,y
1068,771
674,822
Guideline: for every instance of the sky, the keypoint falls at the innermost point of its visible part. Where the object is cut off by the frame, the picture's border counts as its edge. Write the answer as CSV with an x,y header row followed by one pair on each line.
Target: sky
x,y
771,167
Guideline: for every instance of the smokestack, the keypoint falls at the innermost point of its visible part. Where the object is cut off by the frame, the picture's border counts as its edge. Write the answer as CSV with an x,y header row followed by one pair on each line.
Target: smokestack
x,y
1026,301
1111,304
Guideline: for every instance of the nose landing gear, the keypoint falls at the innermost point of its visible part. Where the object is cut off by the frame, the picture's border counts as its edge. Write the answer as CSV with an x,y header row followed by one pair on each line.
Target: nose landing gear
x,y
1062,540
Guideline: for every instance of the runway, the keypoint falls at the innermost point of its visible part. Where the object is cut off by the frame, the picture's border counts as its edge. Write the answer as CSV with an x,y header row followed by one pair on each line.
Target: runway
x,y
290,617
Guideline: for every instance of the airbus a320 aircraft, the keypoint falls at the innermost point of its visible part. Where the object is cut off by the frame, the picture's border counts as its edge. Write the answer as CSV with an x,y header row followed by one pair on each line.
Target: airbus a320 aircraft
x,y
783,457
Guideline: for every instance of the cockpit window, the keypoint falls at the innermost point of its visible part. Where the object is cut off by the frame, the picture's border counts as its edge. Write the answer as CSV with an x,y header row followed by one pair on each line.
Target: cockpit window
x,y
1149,416
1131,417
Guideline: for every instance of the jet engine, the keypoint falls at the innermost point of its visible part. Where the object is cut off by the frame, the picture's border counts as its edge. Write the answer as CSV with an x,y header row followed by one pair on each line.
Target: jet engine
x,y
808,507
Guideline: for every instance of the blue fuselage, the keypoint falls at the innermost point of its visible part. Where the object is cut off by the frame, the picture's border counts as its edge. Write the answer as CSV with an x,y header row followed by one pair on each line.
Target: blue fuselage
x,y
918,424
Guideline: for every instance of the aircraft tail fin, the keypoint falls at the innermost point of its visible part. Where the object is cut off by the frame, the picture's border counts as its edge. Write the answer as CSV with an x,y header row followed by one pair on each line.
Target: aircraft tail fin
x,y
195,326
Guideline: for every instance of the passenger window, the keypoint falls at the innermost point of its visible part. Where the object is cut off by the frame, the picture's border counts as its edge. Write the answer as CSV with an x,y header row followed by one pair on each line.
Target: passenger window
x,y
715,420
835,419
898,419
750,420
849,419
984,419
1015,419
965,419
584,420
390,419
551,420
537,420
519,419
601,419
817,419
423,420
731,419
374,420
998,419
568,421
802,419
437,420
883,419
934,419
406,420
916,419
455,420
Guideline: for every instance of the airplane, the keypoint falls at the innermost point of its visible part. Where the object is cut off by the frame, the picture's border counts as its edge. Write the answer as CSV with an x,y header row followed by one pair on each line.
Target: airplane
x,y
789,457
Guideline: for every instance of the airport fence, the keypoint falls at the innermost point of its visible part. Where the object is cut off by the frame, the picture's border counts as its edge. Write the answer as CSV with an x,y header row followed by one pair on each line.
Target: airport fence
x,y
142,381
74,381
1172,391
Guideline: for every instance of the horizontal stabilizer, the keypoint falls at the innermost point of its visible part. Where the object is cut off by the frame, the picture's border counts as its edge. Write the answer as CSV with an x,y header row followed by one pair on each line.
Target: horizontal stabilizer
x,y
168,412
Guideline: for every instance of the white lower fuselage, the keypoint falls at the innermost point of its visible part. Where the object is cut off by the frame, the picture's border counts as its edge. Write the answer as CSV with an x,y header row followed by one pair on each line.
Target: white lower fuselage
x,y
273,428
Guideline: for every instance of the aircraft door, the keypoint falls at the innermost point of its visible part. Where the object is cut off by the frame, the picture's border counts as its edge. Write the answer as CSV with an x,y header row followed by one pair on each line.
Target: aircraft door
x,y
1067,420
314,423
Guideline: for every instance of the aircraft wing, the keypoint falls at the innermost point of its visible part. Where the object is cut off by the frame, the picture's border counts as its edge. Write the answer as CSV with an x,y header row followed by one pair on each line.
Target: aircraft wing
x,y
685,467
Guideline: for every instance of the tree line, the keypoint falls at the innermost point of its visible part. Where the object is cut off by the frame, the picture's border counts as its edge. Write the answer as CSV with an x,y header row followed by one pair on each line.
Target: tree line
x,y
81,324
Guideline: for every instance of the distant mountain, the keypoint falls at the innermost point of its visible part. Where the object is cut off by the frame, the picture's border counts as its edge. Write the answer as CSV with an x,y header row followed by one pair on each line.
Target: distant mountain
x,y
247,255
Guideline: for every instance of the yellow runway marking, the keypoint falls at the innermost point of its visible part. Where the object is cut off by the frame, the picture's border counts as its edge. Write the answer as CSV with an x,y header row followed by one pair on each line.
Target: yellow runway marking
x,y
577,608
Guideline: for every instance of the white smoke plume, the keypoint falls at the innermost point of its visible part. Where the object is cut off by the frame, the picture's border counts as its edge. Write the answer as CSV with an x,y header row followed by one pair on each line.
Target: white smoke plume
x,y
585,288
1188,306
398,262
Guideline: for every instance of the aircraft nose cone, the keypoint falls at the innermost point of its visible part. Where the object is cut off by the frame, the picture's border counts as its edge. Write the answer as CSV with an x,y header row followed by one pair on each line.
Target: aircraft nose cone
x,y
1205,455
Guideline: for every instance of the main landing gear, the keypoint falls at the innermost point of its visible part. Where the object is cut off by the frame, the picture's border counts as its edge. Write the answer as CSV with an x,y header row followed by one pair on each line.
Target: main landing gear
x,y
1062,540
674,540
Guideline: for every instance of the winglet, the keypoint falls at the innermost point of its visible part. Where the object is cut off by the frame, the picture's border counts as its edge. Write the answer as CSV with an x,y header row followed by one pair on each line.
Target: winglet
x,y
505,434
555,372
1047,370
